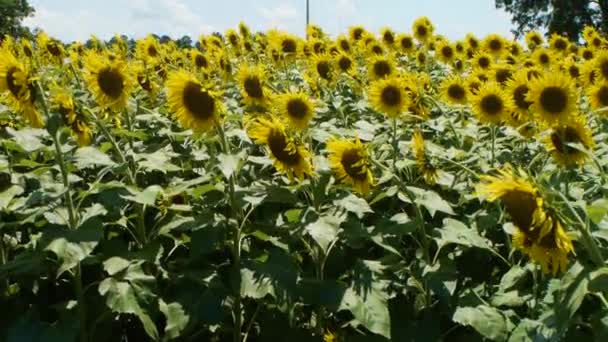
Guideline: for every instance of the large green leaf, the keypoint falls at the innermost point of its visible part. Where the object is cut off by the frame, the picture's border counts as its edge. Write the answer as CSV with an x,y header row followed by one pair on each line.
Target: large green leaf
x,y
456,232
176,318
355,205
90,156
370,309
325,230
486,320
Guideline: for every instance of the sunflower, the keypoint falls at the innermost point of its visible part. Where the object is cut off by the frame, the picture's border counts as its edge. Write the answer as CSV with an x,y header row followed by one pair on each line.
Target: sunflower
x,y
501,73
490,104
543,58
534,39
109,80
251,80
297,108
558,142
288,45
388,96
472,41
345,63
50,49
445,52
380,67
598,95
428,171
350,164
422,29
589,75
26,48
388,37
194,105
244,30
559,43
454,90
516,90
553,98
149,50
16,81
233,38
406,43
343,44
587,53
495,45
199,60
538,232
600,63
63,102
572,68
421,57
322,68
356,33
482,61
289,157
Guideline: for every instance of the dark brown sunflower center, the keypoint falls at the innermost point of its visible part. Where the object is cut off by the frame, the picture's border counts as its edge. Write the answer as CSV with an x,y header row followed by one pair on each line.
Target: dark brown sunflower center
x,y
377,49
317,47
495,45
152,52
144,82
13,87
602,95
574,71
456,92
200,61
357,33
382,69
198,101
502,75
422,31
604,68
407,43
492,104
53,49
289,45
587,54
351,161
536,40
447,52
110,82
543,58
483,62
388,37
324,69
277,143
521,206
563,137
553,99
560,44
519,96
345,63
391,96
253,87
344,45
296,108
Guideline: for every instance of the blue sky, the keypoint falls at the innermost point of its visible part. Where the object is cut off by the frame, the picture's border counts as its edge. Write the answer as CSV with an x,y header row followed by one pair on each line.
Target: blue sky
x,y
77,20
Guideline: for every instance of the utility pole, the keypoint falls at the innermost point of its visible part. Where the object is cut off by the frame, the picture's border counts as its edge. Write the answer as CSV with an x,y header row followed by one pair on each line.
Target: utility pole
x,y
307,17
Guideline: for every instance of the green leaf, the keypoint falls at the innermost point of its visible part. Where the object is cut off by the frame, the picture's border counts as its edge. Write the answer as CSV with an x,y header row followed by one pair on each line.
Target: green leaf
x,y
90,156
355,205
157,161
7,196
325,230
598,280
597,210
369,310
29,139
431,200
454,231
176,317
229,163
115,265
147,196
529,331
487,321
73,246
255,286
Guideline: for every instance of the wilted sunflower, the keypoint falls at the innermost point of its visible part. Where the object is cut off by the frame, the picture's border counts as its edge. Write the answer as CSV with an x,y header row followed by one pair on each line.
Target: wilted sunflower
x,y
598,96
350,164
289,157
380,67
422,29
388,96
109,80
553,98
538,233
490,104
534,39
571,66
425,168
454,90
15,79
297,108
558,142
251,80
63,102
194,105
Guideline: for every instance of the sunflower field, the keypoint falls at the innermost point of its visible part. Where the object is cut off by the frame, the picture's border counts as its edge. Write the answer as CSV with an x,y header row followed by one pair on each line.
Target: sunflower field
x,y
269,187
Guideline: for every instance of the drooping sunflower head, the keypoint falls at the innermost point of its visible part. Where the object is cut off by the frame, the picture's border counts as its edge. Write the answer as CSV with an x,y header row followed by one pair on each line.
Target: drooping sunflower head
x,y
552,250
297,108
534,39
350,163
251,80
422,29
195,105
490,104
494,44
427,170
109,80
553,98
288,156
388,96
598,95
454,90
380,67
558,142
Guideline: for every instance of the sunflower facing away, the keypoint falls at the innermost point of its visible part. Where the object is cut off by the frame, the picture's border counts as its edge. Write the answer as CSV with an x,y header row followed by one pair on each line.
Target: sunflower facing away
x,y
349,161
490,103
288,156
109,81
552,98
251,80
63,102
558,142
16,82
388,96
539,233
194,105
297,108
423,163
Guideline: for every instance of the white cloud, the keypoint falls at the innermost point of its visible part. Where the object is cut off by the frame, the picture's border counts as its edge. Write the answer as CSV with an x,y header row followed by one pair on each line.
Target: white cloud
x,y
280,16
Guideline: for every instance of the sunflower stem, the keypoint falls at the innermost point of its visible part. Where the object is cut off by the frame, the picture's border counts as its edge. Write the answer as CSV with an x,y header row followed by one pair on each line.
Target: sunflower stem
x,y
395,145
493,134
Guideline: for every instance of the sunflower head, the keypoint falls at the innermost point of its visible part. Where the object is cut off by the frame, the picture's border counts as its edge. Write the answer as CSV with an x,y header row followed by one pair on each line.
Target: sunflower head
x,y
543,58
109,80
422,29
322,68
517,89
598,95
406,43
344,63
194,105
380,67
149,50
388,96
423,163
454,90
490,104
494,44
356,33
482,61
297,108
199,60
445,52
388,36
559,43
553,98
251,80
558,142
350,163
534,39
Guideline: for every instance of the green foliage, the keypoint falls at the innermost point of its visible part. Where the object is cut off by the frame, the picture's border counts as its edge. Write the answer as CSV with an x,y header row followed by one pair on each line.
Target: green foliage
x,y
12,12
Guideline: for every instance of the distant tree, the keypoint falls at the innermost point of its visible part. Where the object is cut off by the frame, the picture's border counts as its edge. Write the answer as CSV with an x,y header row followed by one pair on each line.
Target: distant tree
x,y
567,17
184,42
12,12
